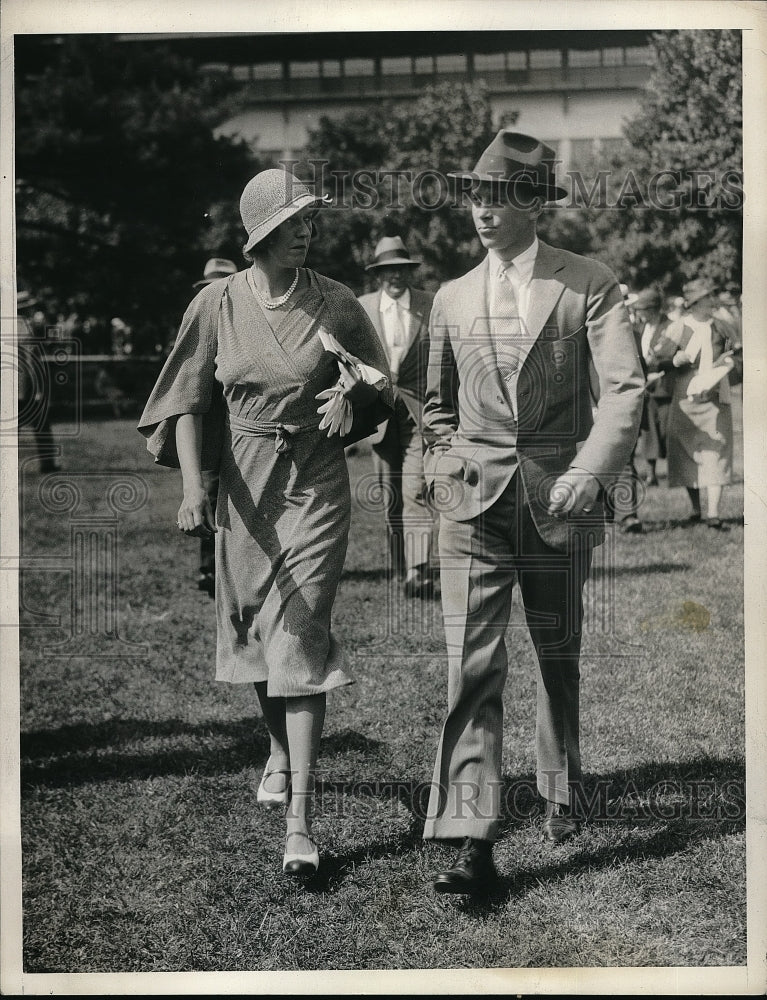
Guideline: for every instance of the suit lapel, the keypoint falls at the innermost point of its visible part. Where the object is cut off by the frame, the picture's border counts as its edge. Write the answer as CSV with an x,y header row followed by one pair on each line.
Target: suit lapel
x,y
546,287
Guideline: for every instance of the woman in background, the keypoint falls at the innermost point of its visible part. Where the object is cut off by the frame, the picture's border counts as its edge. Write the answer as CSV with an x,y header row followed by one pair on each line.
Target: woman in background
x,y
700,423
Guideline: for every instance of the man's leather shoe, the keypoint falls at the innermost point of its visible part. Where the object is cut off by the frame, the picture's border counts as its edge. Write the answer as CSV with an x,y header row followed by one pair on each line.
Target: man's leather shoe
x,y
473,869
558,824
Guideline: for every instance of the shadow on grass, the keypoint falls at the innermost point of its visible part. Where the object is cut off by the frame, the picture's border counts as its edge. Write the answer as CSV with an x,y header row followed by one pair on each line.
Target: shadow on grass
x,y
81,754
647,569
682,802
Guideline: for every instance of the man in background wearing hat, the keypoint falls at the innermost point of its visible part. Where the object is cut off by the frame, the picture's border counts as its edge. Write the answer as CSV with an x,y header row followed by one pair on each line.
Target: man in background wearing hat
x,y
652,322
400,315
216,267
519,463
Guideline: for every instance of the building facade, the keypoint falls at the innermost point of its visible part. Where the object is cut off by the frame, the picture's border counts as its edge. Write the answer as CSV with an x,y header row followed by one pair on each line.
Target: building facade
x,y
574,89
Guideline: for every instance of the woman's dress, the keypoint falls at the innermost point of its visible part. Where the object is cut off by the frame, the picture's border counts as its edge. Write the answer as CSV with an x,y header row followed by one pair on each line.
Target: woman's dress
x,y
700,435
284,503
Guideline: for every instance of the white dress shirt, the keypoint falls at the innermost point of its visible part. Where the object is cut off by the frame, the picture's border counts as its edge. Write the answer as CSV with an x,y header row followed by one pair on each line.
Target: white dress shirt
x,y
519,272
395,323
508,317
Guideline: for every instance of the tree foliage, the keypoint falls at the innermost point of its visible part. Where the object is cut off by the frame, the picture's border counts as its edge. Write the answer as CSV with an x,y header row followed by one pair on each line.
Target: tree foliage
x,y
122,190
385,170
673,201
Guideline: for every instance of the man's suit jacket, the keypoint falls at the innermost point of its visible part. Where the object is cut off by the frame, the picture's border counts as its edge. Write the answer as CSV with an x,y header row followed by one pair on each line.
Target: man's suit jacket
x,y
410,382
578,393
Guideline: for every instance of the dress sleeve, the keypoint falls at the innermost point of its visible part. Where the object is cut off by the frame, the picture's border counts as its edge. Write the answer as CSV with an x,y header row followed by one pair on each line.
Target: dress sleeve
x,y
187,384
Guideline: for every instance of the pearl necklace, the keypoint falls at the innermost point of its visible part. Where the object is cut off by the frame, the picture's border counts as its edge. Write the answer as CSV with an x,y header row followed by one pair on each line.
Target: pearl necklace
x,y
274,303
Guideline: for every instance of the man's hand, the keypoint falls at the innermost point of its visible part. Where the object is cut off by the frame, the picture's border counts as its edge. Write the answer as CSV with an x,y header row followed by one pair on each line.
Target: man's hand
x,y
575,492
195,515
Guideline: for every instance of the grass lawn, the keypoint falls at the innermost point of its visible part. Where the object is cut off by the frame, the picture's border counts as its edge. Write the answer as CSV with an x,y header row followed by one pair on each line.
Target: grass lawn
x,y
144,848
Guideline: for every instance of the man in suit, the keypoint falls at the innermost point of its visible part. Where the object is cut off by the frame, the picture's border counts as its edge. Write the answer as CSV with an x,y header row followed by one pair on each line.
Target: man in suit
x,y
400,315
519,463
651,323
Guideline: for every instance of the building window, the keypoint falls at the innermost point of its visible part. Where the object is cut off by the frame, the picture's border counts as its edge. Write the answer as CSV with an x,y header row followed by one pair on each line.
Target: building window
x,y
304,70
359,67
424,64
267,71
331,68
396,66
451,64
612,57
241,72
638,55
581,153
545,58
489,61
608,148
583,57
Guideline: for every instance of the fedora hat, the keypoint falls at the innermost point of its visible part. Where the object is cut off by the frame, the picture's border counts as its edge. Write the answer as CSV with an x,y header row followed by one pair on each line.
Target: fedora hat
x,y
513,157
648,298
391,250
270,198
696,290
216,267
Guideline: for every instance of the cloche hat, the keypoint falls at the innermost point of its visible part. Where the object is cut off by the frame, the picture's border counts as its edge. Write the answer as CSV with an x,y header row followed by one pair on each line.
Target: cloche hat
x,y
697,289
519,159
270,198
391,250
216,267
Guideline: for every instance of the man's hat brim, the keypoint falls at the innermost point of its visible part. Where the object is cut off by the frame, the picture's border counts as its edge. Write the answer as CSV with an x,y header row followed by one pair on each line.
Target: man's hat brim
x,y
395,261
552,192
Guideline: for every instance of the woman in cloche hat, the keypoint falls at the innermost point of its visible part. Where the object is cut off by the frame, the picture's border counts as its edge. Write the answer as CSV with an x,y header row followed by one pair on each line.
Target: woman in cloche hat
x,y
705,356
240,392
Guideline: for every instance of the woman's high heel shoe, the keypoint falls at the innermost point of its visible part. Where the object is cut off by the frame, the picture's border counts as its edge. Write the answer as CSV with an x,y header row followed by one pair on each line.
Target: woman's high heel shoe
x,y
300,864
268,798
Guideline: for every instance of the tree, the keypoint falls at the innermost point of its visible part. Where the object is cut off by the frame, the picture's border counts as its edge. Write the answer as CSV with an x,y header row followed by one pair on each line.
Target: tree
x,y
386,171
122,189
674,196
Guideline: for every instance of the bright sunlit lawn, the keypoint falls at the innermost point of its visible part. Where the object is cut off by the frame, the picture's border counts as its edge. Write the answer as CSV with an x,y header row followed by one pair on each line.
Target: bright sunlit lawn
x,y
144,848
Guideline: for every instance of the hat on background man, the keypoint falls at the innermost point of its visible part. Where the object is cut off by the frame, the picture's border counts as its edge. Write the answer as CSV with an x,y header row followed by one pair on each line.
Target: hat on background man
x,y
696,290
216,267
25,299
648,299
269,199
391,250
513,157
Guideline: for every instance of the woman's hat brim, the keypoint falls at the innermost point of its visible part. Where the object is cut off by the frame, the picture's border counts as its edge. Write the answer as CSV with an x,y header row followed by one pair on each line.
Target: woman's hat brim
x,y
550,191
281,215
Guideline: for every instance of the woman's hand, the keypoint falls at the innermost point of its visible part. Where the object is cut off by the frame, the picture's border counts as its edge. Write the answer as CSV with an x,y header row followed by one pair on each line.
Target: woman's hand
x,y
680,359
195,515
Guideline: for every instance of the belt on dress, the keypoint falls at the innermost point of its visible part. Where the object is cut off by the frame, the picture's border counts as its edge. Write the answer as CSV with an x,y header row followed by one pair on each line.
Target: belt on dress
x,y
282,433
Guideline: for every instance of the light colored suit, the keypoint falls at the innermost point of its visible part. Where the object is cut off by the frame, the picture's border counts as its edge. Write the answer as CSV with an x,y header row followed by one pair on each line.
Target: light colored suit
x,y
578,400
397,443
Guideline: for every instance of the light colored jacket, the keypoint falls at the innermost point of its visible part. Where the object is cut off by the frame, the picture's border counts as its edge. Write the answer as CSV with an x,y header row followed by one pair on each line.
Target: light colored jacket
x,y
578,394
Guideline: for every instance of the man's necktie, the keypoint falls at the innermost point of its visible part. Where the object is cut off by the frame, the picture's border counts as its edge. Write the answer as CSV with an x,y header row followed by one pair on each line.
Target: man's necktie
x,y
507,331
